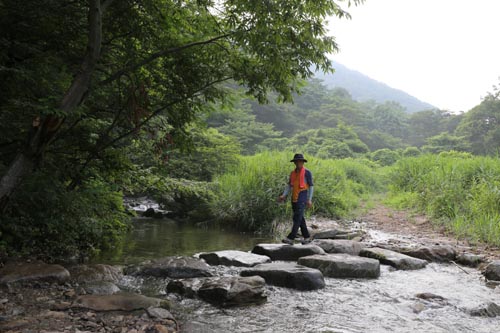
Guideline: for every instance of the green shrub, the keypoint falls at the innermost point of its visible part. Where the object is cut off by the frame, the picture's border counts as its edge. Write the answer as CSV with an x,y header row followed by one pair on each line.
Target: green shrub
x,y
385,156
47,220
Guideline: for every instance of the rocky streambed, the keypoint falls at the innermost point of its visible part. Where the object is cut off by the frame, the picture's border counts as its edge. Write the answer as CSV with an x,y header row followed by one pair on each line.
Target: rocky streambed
x,y
345,281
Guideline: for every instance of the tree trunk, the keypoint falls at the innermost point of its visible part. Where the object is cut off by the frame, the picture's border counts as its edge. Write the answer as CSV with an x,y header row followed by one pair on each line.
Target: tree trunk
x,y
38,141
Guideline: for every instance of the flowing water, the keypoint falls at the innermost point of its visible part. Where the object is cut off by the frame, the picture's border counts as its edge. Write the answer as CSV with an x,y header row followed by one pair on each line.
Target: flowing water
x,y
386,304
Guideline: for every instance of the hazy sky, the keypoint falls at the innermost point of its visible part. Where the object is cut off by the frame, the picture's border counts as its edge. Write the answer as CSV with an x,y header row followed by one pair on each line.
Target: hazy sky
x,y
444,52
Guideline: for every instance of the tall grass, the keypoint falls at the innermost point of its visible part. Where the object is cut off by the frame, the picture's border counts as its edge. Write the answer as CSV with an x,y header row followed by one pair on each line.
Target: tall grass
x,y
456,189
246,196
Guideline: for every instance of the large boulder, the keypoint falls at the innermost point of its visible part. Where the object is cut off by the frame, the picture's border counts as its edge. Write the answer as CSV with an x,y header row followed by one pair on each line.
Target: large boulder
x,y
438,253
492,271
394,259
234,258
93,273
289,275
339,246
33,271
117,302
341,265
173,267
287,252
488,310
337,234
222,291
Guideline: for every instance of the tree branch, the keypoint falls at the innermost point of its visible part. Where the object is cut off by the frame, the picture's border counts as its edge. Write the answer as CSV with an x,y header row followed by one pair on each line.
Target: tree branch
x,y
157,55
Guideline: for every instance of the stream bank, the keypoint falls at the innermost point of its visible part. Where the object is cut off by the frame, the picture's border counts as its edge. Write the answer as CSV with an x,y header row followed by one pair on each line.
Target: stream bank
x,y
442,297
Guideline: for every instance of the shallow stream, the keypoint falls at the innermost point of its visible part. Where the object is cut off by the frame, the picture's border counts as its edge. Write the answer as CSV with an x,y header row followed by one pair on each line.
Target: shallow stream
x,y
386,304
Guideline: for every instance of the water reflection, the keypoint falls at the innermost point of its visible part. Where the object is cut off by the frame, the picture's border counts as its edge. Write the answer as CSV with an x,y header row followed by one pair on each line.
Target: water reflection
x,y
152,238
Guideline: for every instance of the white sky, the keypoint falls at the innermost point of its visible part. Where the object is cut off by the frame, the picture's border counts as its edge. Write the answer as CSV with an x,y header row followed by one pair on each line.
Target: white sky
x,y
444,52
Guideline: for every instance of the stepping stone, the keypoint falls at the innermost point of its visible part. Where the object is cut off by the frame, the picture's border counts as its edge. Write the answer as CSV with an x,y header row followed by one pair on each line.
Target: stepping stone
x,y
33,271
469,259
173,267
287,252
439,253
339,246
337,234
234,258
117,302
223,291
394,259
289,275
343,265
492,271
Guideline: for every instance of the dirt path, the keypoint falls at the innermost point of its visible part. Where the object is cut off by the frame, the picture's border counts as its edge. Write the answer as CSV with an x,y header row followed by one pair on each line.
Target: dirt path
x,y
419,228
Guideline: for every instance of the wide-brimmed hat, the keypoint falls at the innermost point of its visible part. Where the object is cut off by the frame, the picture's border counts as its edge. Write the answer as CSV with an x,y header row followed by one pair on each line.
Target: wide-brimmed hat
x,y
298,157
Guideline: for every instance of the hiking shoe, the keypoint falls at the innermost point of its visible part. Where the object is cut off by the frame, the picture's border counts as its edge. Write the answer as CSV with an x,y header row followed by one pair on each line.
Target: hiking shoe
x,y
306,240
287,240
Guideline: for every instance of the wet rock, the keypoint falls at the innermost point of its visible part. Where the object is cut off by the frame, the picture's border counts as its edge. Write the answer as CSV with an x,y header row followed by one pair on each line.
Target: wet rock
x,y
234,291
469,259
159,313
287,252
430,296
197,327
223,291
234,258
289,275
490,310
92,273
337,234
186,287
150,212
439,253
492,271
117,302
100,288
339,246
343,265
35,271
394,259
175,267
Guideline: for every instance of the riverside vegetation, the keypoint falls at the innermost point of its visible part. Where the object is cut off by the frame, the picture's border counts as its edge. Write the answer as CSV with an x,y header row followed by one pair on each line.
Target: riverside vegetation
x,y
185,106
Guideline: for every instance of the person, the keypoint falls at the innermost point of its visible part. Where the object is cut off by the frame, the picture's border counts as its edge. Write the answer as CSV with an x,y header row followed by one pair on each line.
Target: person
x,y
300,185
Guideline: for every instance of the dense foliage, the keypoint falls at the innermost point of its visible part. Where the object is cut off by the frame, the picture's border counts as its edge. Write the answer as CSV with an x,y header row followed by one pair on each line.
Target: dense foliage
x,y
88,85
455,189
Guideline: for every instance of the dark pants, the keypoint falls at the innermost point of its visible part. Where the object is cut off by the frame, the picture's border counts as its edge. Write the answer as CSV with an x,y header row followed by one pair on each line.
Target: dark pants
x,y
298,220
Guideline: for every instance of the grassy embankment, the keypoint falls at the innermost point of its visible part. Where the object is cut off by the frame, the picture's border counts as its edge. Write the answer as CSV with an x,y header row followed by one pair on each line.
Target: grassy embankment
x,y
247,196
456,190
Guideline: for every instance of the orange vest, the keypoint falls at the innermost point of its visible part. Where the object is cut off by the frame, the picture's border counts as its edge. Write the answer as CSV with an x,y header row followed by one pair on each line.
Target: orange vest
x,y
298,183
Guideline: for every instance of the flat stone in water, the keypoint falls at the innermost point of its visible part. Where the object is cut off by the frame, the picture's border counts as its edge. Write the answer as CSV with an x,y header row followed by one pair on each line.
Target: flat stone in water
x,y
438,253
339,246
343,265
117,302
492,271
289,275
287,252
174,267
469,259
394,259
234,258
223,291
35,271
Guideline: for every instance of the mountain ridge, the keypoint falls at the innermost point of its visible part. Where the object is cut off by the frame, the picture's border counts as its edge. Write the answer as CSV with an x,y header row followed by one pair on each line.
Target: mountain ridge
x,y
363,88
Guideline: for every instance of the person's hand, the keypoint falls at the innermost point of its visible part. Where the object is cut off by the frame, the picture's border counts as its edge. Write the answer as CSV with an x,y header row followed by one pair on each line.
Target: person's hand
x,y
281,198
309,203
